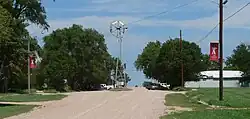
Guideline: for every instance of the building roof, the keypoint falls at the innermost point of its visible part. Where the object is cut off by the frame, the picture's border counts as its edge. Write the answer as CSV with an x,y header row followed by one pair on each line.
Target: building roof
x,y
226,74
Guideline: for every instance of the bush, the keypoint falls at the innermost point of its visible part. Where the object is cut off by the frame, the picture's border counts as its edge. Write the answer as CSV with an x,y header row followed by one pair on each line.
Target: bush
x,y
180,89
50,91
25,91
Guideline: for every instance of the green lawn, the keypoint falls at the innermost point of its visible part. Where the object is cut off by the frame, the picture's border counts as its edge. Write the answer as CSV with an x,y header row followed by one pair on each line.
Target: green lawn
x,y
5,94
233,97
182,101
11,110
30,98
211,114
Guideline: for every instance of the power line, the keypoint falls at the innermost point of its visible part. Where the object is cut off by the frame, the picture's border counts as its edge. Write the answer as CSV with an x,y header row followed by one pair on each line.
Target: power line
x,y
164,12
167,11
237,11
211,31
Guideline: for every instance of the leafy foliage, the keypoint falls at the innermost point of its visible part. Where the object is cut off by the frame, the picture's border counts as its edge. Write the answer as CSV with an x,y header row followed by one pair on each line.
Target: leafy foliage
x,y
146,61
163,62
14,16
78,55
240,58
26,10
209,65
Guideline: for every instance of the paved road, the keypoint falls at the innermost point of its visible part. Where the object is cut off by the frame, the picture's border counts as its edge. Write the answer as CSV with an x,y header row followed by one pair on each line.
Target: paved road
x,y
137,104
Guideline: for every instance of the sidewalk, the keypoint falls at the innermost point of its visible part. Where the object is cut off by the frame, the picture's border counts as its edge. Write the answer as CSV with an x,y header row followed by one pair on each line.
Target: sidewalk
x,y
27,103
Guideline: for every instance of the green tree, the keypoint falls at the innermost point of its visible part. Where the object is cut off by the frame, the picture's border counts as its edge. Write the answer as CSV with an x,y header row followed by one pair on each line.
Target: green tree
x,y
13,51
22,10
78,55
146,60
240,59
5,35
163,62
207,64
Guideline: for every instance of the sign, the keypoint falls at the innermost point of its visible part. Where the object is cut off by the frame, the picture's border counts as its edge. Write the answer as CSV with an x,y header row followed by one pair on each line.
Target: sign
x,y
214,51
32,62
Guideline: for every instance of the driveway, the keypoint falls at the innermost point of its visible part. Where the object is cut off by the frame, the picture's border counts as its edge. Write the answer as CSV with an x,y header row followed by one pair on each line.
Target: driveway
x,y
137,104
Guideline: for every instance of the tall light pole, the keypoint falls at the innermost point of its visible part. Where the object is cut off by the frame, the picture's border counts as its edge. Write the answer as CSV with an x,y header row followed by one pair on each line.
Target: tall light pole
x,y
29,64
182,73
117,29
221,3
29,38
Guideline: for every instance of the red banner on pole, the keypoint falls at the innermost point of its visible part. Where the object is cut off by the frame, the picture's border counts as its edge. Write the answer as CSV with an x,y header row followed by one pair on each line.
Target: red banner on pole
x,y
214,51
32,62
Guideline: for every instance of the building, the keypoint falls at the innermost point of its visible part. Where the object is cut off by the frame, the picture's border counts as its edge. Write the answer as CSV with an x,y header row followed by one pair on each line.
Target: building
x,y
210,79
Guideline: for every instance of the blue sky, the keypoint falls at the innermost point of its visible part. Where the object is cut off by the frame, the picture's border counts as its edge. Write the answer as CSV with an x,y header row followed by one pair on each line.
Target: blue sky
x,y
195,20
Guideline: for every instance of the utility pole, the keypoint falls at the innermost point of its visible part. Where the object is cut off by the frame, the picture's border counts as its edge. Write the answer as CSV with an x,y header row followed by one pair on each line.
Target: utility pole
x,y
29,65
182,77
221,3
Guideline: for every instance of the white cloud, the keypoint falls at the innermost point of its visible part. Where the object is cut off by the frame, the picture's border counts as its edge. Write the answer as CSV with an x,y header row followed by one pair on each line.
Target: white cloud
x,y
101,23
130,6
133,44
126,6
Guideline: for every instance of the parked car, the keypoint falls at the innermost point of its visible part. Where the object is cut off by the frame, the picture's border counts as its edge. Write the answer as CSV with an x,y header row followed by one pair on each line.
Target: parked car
x,y
97,87
164,85
152,86
156,86
107,87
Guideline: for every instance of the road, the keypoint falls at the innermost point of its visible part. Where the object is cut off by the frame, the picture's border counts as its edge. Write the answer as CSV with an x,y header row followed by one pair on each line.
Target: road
x,y
137,104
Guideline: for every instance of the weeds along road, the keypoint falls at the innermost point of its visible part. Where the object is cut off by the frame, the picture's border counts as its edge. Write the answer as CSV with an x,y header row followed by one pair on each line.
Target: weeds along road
x,y
137,104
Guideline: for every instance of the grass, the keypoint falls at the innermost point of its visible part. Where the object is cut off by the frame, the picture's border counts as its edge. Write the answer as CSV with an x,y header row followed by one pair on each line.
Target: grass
x,y
5,94
233,97
11,110
182,101
210,114
30,98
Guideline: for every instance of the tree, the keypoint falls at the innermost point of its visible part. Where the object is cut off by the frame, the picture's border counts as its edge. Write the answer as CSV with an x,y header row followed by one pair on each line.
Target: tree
x,y
240,59
22,10
5,35
147,59
163,62
78,55
209,65
170,59
13,51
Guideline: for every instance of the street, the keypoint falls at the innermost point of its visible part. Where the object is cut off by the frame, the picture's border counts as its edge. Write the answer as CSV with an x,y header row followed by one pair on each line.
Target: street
x,y
137,104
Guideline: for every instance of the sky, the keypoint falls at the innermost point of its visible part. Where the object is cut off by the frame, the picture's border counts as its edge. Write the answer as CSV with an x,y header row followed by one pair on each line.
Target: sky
x,y
195,20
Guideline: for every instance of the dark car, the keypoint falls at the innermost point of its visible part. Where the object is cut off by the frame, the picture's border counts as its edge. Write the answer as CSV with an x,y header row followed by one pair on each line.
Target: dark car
x,y
152,86
155,86
97,87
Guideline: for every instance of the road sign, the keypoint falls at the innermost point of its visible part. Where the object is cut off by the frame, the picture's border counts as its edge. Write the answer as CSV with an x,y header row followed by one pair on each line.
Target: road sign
x,y
214,51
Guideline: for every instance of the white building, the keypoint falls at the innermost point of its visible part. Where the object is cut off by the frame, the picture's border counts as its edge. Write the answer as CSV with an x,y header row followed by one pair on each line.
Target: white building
x,y
211,79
